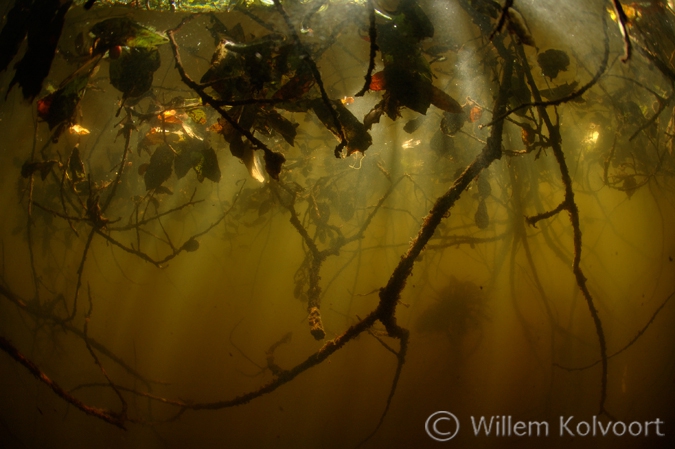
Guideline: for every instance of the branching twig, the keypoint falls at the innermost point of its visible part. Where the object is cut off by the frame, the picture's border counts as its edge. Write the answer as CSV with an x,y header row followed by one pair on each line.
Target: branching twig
x,y
105,415
532,221
570,205
123,414
502,19
576,94
208,99
271,364
628,345
33,309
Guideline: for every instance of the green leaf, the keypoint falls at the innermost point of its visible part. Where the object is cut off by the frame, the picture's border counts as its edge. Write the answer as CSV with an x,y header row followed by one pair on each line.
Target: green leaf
x,y
159,169
358,138
451,122
198,116
186,160
191,245
122,31
133,71
208,167
552,62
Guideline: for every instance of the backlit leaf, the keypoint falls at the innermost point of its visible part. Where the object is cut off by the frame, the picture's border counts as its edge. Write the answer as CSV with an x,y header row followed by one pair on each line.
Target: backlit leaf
x,y
79,130
475,113
377,81
124,32
198,116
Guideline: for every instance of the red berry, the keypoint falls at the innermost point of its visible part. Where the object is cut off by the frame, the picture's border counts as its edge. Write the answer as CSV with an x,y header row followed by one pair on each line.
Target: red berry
x,y
115,52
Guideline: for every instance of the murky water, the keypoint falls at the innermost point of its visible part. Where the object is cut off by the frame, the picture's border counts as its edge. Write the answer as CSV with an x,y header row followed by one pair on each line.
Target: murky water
x,y
194,272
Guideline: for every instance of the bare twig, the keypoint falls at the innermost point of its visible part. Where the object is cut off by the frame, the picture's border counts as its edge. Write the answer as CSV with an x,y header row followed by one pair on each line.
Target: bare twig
x,y
123,414
105,415
570,205
628,345
574,95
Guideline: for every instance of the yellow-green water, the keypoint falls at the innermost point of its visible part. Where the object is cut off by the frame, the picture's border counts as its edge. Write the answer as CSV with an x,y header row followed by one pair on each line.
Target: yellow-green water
x,y
496,317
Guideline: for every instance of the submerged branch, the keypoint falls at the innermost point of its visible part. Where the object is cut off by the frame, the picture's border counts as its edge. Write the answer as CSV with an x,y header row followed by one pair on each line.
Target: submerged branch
x,y
390,294
33,309
123,414
570,205
539,103
105,415
628,345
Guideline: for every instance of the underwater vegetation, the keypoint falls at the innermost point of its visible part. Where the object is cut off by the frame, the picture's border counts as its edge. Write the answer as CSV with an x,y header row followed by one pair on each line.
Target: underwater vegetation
x,y
332,218
459,310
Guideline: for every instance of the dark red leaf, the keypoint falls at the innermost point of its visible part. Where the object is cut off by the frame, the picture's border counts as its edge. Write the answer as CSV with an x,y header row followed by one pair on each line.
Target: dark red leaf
x,y
377,82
